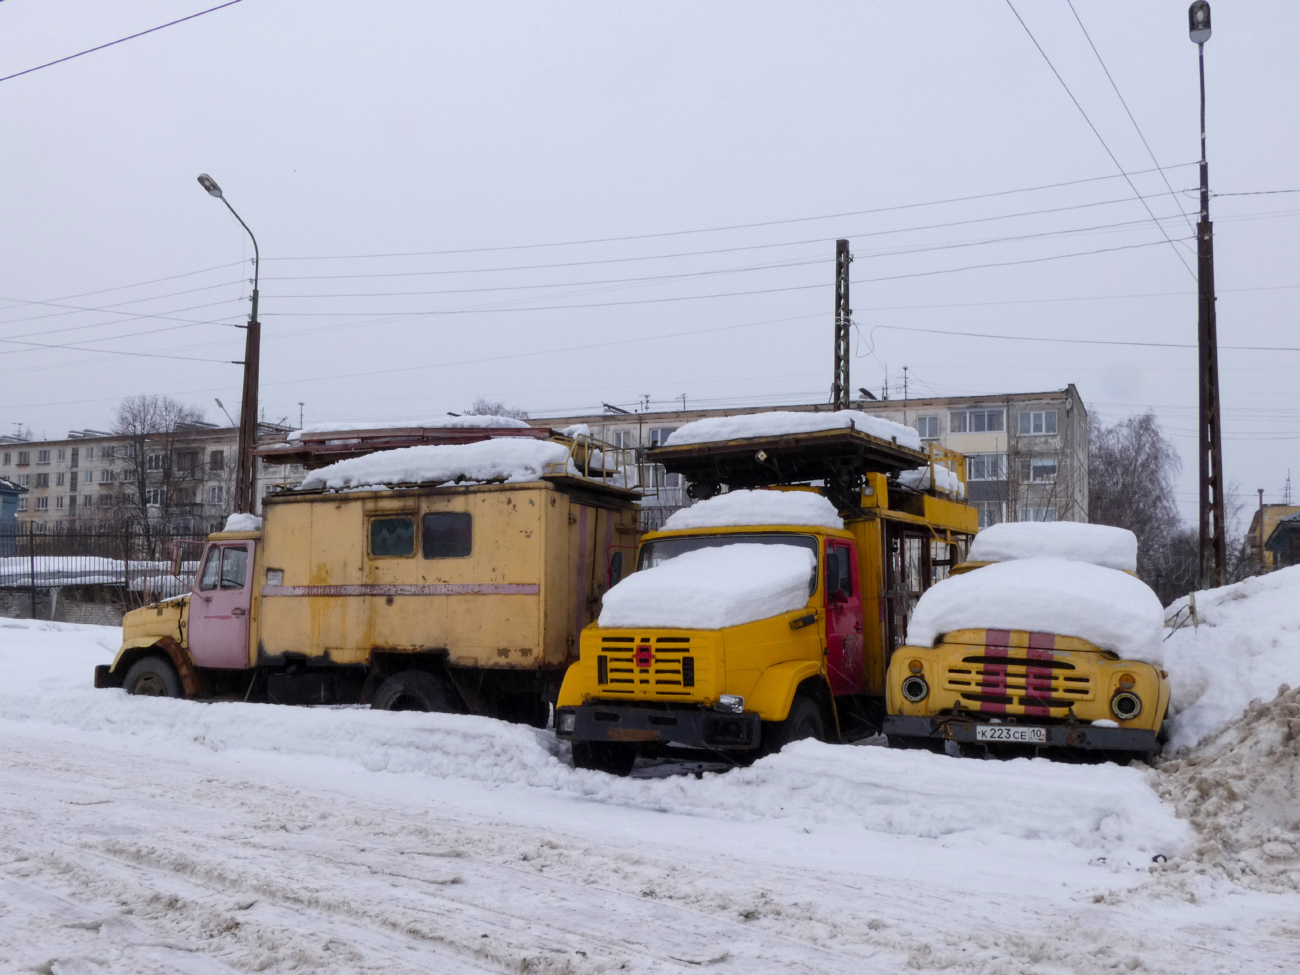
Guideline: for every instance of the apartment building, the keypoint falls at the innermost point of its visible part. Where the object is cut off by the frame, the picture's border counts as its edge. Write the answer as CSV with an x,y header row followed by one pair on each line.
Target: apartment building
x,y
1027,453
95,481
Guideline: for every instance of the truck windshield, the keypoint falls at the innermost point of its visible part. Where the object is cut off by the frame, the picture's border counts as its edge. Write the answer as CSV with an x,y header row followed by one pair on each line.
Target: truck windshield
x,y
663,549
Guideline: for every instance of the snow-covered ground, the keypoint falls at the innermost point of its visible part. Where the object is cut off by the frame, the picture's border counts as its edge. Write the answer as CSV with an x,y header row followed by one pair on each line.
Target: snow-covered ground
x,y
145,835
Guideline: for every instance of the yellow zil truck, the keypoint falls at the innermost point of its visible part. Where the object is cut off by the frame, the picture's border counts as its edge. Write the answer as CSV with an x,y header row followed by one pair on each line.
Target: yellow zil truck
x,y
1044,640
441,577
813,665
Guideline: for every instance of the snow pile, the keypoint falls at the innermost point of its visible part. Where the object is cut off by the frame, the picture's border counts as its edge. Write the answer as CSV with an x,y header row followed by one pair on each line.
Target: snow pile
x,y
62,570
713,587
780,423
1247,643
576,430
243,522
470,421
1110,609
1013,809
1114,548
503,459
1241,790
757,508
919,480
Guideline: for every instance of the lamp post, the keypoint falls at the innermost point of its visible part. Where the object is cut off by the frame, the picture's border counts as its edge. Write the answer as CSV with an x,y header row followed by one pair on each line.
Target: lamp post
x,y
244,495
1213,544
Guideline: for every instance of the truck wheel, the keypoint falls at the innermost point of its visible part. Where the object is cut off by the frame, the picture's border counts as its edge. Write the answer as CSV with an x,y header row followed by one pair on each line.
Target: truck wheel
x,y
416,690
803,721
615,758
153,677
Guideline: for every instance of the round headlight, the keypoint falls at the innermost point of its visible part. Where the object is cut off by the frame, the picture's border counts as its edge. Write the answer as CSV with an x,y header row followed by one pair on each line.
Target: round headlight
x,y
1126,705
915,689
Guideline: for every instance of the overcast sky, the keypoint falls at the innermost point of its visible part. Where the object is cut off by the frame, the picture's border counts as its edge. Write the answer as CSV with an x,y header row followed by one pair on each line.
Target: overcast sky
x,y
524,202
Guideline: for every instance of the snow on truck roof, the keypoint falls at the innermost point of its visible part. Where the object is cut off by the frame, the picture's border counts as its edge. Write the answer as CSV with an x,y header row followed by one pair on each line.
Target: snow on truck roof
x,y
713,587
511,460
469,421
1112,610
742,508
782,422
1113,548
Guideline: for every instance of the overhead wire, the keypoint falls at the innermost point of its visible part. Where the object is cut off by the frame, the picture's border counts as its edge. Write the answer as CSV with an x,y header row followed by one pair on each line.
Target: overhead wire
x,y
1095,132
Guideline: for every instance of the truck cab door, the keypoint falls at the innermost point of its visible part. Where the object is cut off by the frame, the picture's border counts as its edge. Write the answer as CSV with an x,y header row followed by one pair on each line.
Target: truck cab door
x,y
843,618
219,606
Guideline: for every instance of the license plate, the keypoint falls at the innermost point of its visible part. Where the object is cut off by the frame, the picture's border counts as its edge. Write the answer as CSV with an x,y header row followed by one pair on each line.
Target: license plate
x,y
1007,732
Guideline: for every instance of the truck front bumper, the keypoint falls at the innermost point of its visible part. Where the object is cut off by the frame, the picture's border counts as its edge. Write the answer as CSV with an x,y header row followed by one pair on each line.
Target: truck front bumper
x,y
676,726
962,729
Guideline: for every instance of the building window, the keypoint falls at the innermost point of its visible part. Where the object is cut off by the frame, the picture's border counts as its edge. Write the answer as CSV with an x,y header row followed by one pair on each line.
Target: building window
x,y
106,475
217,460
58,502
107,452
6,458
90,452
42,503
1036,422
154,462
447,535
1038,514
42,456
24,458
153,497
624,439
23,480
927,427
42,480
75,452
62,453
990,513
215,494
87,500
986,467
22,504
1038,470
187,460
975,421
58,478
659,435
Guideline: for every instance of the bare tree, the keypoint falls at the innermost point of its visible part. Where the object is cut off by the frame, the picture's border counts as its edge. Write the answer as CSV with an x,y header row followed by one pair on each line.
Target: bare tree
x,y
486,407
163,480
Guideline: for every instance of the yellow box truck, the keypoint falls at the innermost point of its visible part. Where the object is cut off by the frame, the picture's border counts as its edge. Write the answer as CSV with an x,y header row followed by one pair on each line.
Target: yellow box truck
x,y
444,577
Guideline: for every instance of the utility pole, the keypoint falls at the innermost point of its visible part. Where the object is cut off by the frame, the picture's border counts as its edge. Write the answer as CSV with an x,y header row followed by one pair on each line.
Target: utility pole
x,y
843,317
245,499
1213,543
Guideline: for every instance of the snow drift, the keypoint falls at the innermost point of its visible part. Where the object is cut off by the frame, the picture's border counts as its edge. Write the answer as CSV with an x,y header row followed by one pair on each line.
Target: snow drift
x,y
781,422
1247,643
713,587
947,481
741,508
243,522
1110,609
1114,548
488,460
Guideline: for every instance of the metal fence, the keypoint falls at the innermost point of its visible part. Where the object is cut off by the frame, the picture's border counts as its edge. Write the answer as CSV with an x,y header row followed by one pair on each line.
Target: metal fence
x,y
130,568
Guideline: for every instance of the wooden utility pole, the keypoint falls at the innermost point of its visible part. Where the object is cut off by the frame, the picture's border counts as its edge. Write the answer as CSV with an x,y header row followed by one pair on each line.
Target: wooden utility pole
x,y
843,320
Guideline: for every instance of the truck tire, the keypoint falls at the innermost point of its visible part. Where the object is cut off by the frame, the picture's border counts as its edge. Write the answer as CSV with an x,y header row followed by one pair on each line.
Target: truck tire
x,y
416,690
612,757
803,721
153,676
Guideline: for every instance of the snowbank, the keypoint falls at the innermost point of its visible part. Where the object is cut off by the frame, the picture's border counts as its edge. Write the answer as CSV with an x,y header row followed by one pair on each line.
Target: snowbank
x,y
919,480
1239,790
488,460
758,508
471,421
576,430
1247,643
1110,609
1021,808
781,422
243,522
713,587
1114,548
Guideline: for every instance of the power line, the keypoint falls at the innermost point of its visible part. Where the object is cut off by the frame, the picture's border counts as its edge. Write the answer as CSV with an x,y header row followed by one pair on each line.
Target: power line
x,y
1095,132
1137,127
739,226
1041,338
120,40
125,287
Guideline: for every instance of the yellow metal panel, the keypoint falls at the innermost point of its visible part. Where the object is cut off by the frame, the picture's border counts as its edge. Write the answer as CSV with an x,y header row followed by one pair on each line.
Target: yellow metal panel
x,y
871,580
955,515
772,695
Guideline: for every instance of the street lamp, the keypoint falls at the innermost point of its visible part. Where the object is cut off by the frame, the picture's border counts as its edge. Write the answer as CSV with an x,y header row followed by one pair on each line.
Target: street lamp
x,y
244,496
1213,543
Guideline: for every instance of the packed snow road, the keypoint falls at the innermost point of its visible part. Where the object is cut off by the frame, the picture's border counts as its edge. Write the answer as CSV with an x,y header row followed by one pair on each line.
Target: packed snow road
x,y
152,835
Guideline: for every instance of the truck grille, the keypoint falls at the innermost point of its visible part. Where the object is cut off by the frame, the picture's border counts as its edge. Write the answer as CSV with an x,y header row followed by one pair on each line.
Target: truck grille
x,y
646,666
1037,683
